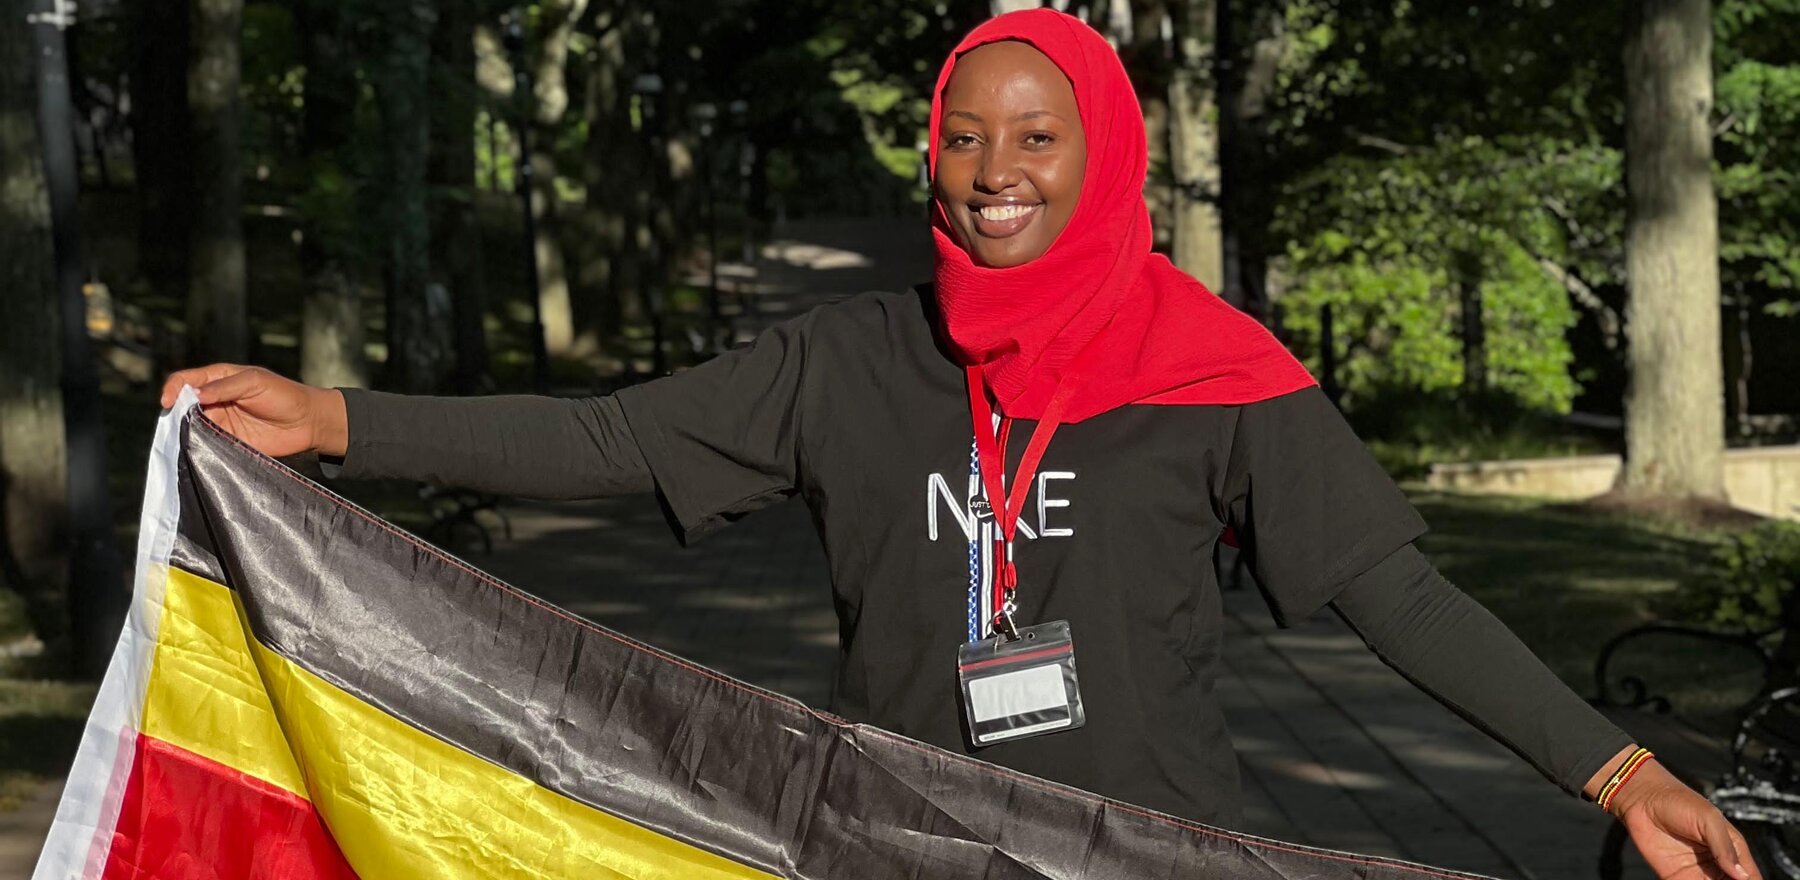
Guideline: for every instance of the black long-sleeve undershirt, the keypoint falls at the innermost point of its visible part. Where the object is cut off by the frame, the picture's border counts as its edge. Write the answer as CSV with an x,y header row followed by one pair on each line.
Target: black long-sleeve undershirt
x,y
1420,624
532,447
1452,648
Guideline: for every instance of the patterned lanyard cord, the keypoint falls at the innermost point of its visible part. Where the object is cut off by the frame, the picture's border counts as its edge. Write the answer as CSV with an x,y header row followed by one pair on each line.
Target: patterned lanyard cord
x,y
976,630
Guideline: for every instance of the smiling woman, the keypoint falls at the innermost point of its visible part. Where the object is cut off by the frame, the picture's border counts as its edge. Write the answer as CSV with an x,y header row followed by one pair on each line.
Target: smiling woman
x,y
1011,154
1176,419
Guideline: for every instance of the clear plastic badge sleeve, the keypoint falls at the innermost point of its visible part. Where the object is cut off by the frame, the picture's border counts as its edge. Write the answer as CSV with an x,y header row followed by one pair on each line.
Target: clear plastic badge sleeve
x,y
1020,687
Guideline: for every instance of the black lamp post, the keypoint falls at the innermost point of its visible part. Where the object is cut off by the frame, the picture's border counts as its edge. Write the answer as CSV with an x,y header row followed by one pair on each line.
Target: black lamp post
x,y
740,110
705,113
649,87
96,575
515,48
924,149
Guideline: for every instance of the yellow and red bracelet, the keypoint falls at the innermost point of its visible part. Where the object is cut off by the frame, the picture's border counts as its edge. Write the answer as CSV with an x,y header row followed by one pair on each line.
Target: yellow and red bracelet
x,y
1633,762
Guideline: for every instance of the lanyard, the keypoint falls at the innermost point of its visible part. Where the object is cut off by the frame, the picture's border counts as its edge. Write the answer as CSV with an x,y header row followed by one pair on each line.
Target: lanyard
x,y
991,448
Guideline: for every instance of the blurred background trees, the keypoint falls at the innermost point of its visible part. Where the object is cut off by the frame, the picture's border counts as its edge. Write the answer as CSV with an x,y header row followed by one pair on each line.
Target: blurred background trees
x,y
1457,213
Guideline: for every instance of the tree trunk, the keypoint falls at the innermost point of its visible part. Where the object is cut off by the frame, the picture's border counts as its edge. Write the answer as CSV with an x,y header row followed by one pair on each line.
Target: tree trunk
x,y
556,24
217,326
33,477
617,165
418,323
1147,59
1250,43
1328,356
161,141
1740,362
1674,407
604,215
1474,324
1194,144
456,249
331,323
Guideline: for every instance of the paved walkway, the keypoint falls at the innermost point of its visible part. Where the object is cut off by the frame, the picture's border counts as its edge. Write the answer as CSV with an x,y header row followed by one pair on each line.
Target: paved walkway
x,y
1337,750
22,832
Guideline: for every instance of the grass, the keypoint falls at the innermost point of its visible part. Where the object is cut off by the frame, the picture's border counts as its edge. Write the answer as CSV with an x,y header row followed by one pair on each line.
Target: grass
x,y
1408,430
40,726
1568,580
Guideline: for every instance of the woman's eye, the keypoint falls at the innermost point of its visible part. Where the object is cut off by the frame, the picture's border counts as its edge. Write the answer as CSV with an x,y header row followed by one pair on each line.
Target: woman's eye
x,y
1040,139
957,141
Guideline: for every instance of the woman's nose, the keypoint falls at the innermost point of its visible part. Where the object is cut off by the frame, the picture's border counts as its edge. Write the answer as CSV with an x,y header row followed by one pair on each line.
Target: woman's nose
x,y
999,170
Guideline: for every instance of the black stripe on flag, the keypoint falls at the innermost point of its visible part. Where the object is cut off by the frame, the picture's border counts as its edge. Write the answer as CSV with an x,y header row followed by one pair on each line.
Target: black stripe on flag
x,y
644,735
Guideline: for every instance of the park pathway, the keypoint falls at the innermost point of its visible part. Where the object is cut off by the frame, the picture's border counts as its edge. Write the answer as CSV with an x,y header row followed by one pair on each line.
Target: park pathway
x,y
1337,750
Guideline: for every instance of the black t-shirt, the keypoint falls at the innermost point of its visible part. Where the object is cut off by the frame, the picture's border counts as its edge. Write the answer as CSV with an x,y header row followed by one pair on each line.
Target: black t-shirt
x,y
855,407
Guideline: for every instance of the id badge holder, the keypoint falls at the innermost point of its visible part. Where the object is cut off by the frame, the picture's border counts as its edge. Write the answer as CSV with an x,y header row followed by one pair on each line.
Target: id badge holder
x,y
1015,688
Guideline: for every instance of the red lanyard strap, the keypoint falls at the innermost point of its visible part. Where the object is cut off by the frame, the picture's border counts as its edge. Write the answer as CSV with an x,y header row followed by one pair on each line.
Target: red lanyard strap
x,y
992,449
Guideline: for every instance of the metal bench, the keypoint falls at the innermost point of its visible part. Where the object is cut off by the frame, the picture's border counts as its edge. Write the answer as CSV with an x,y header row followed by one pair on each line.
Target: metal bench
x,y
1749,770
454,515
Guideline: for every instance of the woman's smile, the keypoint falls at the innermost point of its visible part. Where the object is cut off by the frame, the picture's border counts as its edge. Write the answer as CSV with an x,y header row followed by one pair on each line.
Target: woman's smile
x,y
1003,218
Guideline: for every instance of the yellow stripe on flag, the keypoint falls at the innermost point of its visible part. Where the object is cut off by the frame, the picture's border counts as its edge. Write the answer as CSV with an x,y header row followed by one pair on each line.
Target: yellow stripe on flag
x,y
205,694
398,801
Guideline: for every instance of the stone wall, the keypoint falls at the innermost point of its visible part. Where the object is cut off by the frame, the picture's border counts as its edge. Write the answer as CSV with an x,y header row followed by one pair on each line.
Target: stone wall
x,y
1765,480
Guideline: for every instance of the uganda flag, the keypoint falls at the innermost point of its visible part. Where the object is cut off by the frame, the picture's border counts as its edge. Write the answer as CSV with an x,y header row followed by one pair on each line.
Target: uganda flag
x,y
305,691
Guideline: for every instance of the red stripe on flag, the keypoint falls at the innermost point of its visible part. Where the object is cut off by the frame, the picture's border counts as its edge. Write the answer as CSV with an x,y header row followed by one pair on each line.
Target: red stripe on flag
x,y
189,818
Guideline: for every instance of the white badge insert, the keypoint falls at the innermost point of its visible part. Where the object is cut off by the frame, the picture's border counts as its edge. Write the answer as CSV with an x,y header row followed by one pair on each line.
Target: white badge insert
x,y
1014,688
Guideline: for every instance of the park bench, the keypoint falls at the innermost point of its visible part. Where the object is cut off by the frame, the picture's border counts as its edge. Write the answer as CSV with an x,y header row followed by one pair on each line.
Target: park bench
x,y
456,513
1749,765
460,517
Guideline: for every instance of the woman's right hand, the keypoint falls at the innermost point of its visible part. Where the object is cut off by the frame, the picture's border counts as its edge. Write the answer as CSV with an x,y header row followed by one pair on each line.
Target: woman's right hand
x,y
276,415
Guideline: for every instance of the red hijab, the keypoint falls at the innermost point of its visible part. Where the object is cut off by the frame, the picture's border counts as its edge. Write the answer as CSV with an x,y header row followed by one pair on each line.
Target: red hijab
x,y
1146,332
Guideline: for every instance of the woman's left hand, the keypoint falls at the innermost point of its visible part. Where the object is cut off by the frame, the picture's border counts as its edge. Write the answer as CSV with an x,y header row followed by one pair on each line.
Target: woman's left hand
x,y
1681,834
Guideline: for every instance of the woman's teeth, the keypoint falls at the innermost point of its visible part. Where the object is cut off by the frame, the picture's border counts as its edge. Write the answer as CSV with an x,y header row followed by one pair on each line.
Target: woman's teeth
x,y
1005,212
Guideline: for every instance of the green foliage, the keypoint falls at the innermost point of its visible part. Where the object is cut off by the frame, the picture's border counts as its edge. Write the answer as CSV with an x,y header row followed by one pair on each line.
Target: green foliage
x,y
496,152
273,84
335,205
40,726
878,58
1390,243
1415,150
1752,574
1408,431
1431,148
892,117
1757,90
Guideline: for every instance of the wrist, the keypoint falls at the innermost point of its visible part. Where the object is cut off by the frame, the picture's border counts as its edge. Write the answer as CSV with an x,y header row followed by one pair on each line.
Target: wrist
x,y
1645,783
1630,782
331,423
1591,791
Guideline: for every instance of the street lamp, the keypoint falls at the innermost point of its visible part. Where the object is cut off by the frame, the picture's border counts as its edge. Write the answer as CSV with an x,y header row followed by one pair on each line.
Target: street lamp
x,y
705,113
649,87
924,148
515,48
740,112
97,601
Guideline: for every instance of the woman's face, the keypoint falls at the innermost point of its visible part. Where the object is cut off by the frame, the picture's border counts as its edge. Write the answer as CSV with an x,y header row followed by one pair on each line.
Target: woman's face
x,y
1010,153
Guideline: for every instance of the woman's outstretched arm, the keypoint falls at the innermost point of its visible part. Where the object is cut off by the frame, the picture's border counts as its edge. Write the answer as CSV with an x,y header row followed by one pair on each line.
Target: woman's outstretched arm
x,y
533,447
716,442
1452,648
539,447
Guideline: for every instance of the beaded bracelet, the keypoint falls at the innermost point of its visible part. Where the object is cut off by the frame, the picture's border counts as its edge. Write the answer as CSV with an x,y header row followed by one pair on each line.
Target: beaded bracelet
x,y
1633,762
